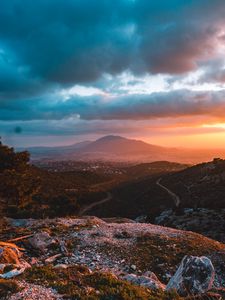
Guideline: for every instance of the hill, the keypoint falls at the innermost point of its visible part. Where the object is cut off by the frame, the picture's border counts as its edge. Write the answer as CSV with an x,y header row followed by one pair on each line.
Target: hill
x,y
120,146
199,186
200,190
202,185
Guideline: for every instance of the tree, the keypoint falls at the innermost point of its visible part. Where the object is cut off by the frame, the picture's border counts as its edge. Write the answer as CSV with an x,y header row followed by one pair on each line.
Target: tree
x,y
18,184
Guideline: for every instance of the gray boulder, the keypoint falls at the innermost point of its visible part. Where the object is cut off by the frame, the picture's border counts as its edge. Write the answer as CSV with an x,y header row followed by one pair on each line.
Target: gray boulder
x,y
194,276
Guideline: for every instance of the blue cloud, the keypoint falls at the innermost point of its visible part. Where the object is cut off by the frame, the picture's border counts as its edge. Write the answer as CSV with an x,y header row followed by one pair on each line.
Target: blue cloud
x,y
132,107
77,41
49,45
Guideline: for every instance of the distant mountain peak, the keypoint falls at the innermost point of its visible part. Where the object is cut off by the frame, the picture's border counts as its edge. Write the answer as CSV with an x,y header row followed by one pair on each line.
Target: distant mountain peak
x,y
111,138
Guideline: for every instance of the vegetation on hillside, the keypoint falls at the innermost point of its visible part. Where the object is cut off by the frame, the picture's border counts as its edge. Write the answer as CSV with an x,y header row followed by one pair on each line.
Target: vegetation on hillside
x,y
18,185
26,190
77,283
199,186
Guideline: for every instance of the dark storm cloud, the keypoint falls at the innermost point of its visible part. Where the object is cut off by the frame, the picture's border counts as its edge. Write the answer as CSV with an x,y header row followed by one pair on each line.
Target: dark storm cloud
x,y
66,41
179,40
77,41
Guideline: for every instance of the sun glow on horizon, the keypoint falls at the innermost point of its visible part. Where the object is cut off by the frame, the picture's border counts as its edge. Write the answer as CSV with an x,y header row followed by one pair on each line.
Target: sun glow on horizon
x,y
216,125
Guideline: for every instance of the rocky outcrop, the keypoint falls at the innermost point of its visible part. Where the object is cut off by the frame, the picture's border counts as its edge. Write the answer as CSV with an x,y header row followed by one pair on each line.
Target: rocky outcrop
x,y
127,251
195,275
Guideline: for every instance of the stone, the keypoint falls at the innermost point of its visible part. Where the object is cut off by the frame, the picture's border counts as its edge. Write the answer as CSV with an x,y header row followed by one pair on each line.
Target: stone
x,y
61,266
52,259
133,267
41,241
194,276
151,281
13,273
92,265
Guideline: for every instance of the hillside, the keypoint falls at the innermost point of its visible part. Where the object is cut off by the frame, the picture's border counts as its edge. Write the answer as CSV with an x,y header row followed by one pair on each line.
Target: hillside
x,y
202,185
138,194
199,189
65,188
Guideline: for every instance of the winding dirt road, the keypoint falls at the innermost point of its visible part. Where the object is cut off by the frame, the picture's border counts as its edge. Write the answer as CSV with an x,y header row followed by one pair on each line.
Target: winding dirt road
x,y
94,204
176,198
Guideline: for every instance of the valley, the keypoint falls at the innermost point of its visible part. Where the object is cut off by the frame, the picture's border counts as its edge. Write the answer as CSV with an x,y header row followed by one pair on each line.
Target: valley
x,y
130,225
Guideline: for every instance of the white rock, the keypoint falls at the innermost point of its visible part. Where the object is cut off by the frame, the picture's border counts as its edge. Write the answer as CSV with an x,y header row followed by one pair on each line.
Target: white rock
x,y
53,258
133,267
195,275
61,266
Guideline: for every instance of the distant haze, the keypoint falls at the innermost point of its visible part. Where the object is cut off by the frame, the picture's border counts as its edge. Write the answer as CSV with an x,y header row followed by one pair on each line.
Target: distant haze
x,y
117,148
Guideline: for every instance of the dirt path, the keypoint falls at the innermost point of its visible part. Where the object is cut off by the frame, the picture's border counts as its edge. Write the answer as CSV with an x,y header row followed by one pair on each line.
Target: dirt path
x,y
85,209
176,198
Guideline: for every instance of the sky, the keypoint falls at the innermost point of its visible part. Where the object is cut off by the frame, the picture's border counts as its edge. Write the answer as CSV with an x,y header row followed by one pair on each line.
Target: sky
x,y
77,70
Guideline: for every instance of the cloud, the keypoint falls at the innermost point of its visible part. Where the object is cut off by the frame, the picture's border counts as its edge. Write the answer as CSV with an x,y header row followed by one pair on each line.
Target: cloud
x,y
73,42
134,107
214,72
68,62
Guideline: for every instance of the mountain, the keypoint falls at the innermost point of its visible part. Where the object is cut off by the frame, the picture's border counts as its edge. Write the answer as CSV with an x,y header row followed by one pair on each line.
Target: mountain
x,y
120,146
117,148
106,148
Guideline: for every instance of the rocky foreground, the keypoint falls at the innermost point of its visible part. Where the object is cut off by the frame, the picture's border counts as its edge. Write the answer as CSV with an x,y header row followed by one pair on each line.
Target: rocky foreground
x,y
90,258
